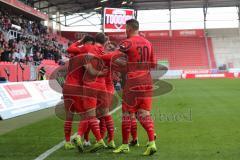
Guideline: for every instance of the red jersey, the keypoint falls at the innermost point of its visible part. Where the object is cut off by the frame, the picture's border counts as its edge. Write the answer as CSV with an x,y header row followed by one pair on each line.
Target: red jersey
x,y
76,49
139,52
75,74
108,58
138,87
95,51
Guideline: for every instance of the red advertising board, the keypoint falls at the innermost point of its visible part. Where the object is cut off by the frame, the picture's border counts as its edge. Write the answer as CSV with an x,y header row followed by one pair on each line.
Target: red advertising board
x,y
189,33
17,91
216,75
196,71
15,71
115,19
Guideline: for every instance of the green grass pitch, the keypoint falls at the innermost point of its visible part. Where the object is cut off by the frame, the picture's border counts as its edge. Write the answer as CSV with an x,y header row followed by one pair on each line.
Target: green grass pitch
x,y
198,120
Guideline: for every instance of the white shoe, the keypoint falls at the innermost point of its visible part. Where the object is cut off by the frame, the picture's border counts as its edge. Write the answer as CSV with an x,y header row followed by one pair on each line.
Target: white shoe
x,y
86,143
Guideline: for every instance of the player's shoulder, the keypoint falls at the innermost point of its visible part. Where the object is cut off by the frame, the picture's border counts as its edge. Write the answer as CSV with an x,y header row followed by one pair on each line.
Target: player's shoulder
x,y
125,44
88,46
141,38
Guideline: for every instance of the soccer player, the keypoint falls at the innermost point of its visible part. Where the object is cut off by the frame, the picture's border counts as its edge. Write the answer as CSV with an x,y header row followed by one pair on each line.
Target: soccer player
x,y
88,90
72,103
138,87
106,119
104,101
95,96
111,49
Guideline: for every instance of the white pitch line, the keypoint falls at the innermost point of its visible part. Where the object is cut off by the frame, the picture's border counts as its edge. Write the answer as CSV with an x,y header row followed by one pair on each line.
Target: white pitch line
x,y
61,144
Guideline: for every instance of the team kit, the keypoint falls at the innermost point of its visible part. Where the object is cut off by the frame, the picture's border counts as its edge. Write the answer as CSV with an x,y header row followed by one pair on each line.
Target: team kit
x,y
88,91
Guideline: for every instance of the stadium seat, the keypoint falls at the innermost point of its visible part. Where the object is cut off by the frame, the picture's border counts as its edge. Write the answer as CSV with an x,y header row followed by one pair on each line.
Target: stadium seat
x,y
183,53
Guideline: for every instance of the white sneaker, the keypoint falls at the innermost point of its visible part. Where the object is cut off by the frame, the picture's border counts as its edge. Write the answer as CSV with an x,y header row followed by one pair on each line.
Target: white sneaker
x,y
86,143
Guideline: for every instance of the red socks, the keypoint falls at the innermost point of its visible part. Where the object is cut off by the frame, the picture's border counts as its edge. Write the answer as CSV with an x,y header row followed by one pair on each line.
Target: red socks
x,y
148,125
103,129
86,134
106,123
126,127
110,127
67,130
82,128
93,123
134,128
102,125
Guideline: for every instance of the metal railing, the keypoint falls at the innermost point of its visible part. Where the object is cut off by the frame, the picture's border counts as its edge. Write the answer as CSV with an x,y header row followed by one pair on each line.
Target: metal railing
x,y
13,34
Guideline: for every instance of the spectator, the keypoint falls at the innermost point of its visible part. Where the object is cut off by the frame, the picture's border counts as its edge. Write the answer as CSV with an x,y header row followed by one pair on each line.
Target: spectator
x,y
2,40
42,74
21,47
28,50
56,55
37,58
6,54
16,56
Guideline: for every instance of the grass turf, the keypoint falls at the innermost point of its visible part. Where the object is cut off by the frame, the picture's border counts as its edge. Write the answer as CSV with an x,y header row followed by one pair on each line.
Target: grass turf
x,y
198,120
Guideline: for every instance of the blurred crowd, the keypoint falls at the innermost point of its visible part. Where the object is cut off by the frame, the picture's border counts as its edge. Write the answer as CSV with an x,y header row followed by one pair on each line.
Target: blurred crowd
x,y
26,50
9,20
23,48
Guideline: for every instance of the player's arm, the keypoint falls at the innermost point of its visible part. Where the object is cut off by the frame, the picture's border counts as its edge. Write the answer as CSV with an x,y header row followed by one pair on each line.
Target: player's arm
x,y
91,70
116,57
76,48
110,55
124,48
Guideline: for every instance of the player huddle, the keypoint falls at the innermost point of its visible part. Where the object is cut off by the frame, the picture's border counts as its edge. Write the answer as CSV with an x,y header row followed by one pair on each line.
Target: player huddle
x,y
89,89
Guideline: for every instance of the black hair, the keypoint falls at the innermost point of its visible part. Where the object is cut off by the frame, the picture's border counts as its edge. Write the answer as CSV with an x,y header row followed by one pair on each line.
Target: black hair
x,y
88,38
101,38
133,23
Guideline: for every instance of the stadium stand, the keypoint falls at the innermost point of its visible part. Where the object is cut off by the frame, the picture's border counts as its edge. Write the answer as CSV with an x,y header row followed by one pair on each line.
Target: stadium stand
x,y
226,46
183,53
26,43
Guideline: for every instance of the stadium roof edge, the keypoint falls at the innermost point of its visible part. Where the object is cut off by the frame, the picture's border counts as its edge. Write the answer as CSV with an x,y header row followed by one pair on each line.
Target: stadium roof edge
x,y
70,7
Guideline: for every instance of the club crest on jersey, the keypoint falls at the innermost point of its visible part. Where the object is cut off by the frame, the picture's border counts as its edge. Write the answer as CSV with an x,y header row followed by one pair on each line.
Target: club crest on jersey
x,y
125,45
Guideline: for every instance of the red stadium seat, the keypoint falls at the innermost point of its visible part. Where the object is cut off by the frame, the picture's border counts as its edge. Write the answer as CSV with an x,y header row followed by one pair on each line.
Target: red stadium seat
x,y
184,52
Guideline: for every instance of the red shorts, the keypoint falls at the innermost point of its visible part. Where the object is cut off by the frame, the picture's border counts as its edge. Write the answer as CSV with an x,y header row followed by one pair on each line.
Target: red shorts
x,y
94,96
72,103
141,99
91,97
143,103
